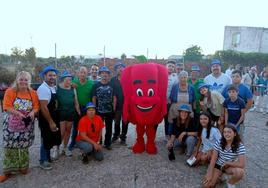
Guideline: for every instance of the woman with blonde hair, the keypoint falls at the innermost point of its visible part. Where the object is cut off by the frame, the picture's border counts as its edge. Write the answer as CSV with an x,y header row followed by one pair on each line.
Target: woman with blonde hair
x,y
21,105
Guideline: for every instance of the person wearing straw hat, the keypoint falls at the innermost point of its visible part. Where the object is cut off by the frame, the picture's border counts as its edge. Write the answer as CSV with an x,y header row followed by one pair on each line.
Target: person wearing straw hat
x,y
48,118
67,105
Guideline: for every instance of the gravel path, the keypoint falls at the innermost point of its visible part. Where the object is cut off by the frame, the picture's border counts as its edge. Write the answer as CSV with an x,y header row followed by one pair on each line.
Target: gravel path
x,y
122,168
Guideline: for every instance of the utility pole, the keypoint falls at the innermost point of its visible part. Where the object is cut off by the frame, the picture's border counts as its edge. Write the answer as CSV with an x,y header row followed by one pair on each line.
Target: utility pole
x,y
104,55
56,63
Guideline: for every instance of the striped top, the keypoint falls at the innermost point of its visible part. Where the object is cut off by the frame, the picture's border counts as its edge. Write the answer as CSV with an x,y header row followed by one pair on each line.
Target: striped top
x,y
227,154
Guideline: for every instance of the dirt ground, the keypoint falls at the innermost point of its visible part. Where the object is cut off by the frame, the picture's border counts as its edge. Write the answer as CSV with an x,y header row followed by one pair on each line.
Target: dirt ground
x,y
122,168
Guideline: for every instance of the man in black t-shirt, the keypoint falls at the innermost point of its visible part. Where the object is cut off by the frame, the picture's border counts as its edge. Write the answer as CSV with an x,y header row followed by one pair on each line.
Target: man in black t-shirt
x,y
105,100
115,82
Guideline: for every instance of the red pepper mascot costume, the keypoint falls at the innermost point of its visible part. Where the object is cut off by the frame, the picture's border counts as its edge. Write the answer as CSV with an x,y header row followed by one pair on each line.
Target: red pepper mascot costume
x,y
144,87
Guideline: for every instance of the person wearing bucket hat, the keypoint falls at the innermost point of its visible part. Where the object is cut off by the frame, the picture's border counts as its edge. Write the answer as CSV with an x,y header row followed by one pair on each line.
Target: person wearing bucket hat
x,y
116,84
119,65
184,131
89,134
217,79
195,81
65,74
67,106
47,69
211,102
48,117
104,97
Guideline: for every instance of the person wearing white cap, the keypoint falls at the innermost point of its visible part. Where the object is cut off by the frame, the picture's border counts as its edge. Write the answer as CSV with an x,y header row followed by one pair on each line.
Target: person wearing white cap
x,y
217,80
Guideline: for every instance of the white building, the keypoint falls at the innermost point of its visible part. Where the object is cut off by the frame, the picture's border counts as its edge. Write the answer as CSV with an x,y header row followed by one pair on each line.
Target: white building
x,y
246,39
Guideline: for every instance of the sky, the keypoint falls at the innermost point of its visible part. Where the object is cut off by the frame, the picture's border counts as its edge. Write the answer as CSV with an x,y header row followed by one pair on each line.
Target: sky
x,y
84,27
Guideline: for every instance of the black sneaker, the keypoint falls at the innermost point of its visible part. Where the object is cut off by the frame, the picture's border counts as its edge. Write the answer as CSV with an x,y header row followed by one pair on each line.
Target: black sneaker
x,y
85,158
171,155
108,147
114,139
123,142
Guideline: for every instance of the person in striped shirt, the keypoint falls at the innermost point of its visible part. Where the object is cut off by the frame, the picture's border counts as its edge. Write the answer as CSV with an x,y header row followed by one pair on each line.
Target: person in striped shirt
x,y
228,157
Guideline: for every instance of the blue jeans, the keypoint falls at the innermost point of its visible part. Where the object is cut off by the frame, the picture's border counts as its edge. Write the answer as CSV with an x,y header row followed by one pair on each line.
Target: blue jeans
x,y
44,153
88,149
75,128
190,143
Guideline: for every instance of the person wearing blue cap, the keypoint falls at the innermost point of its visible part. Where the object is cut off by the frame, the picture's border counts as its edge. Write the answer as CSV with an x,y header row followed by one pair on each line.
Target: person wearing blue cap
x,y
103,96
48,118
67,106
195,81
217,80
115,82
90,130
184,131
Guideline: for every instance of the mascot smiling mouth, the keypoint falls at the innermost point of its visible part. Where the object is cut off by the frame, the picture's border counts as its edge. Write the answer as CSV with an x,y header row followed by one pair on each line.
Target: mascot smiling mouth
x,y
145,109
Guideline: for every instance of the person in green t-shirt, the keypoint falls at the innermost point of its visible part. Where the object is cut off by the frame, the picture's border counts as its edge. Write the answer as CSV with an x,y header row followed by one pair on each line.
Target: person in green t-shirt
x,y
195,81
83,88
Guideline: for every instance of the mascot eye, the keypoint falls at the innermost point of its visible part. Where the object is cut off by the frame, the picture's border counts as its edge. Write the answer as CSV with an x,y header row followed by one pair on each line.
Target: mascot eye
x,y
139,92
150,92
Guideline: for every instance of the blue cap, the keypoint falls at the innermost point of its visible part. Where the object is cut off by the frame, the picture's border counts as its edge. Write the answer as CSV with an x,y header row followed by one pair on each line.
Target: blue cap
x,y
90,105
195,68
104,69
65,74
203,85
184,107
215,62
47,69
119,64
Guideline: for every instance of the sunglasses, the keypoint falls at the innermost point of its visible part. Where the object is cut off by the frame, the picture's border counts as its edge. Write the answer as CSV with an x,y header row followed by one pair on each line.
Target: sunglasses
x,y
93,127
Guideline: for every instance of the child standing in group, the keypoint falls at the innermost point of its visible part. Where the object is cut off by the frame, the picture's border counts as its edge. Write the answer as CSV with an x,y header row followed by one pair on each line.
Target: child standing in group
x,y
234,108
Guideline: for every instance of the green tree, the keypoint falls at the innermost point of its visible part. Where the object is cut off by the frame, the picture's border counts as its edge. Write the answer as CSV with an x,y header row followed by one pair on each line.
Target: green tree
x,y
140,58
123,56
194,53
16,54
30,55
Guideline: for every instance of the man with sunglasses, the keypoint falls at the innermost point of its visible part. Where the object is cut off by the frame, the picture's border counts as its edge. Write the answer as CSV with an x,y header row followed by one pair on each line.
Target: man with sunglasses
x,y
89,133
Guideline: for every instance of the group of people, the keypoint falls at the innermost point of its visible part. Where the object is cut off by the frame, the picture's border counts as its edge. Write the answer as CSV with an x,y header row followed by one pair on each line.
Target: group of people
x,y
204,120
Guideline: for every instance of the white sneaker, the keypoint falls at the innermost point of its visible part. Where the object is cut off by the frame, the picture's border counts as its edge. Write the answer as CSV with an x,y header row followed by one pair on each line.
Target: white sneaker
x,y
68,152
230,185
55,153
252,109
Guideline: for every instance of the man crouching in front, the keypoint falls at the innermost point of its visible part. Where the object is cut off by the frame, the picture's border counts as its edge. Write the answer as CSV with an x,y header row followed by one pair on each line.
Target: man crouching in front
x,y
89,133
